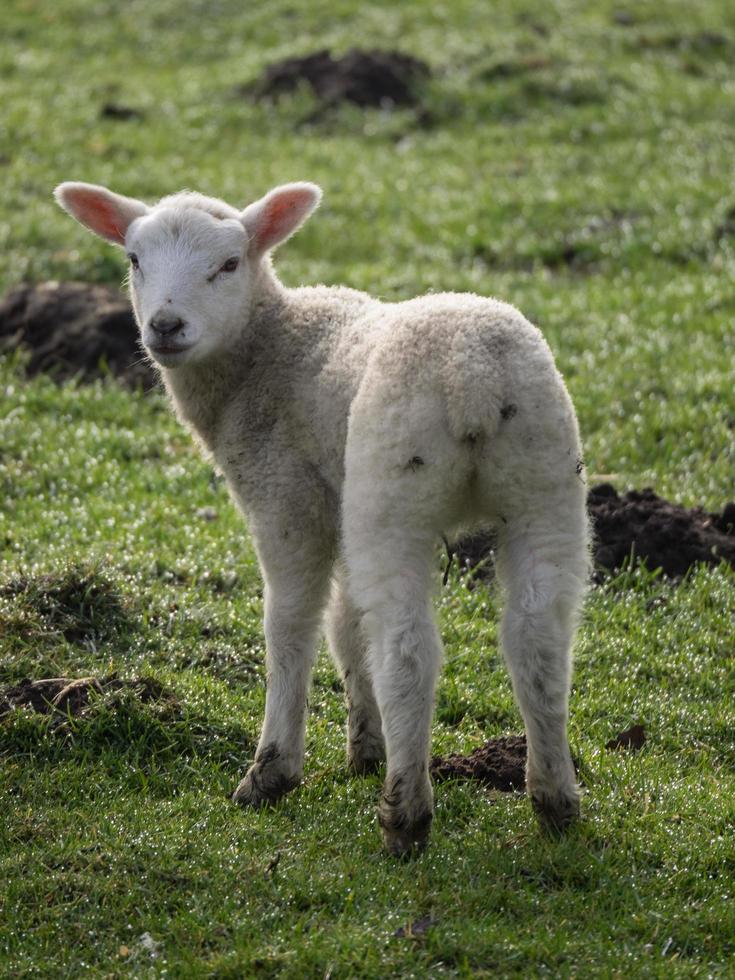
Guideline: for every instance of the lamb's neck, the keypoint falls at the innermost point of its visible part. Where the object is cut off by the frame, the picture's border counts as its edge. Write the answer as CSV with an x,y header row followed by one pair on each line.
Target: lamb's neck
x,y
200,393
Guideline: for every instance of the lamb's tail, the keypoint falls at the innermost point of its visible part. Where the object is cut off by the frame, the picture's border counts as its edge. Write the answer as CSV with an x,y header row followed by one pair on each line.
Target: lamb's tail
x,y
474,390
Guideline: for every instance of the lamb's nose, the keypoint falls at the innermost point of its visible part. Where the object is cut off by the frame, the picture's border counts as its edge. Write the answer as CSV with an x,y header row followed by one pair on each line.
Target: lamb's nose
x,y
165,324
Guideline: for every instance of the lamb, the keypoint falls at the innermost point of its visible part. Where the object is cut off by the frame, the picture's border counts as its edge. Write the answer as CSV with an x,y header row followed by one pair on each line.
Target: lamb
x,y
353,434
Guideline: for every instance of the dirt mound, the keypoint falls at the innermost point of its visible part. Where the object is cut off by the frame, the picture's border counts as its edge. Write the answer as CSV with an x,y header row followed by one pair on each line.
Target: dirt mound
x,y
500,763
638,525
74,329
643,526
365,78
73,696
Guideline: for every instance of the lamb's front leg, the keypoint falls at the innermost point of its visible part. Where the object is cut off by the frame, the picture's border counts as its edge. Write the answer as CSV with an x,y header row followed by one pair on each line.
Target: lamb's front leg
x,y
294,601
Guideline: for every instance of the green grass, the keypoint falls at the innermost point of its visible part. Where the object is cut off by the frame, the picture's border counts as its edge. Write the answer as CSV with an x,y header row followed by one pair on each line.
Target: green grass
x,y
575,165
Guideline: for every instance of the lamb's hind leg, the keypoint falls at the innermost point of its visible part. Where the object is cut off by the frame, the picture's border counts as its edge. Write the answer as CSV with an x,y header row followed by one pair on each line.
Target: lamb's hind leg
x,y
347,642
402,469
544,573
392,580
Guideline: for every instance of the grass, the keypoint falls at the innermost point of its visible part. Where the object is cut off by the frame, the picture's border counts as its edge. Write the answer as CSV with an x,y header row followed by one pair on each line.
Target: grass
x,y
575,159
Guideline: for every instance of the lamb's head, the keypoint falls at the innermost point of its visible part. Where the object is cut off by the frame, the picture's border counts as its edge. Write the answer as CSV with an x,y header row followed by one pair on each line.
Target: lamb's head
x,y
194,260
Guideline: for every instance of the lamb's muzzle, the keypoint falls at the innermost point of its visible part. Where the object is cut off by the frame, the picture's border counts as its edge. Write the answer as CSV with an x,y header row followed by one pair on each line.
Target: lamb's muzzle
x,y
165,325
353,434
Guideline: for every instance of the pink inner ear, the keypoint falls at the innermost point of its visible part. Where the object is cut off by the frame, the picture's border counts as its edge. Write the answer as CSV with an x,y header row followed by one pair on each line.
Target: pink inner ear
x,y
97,213
281,215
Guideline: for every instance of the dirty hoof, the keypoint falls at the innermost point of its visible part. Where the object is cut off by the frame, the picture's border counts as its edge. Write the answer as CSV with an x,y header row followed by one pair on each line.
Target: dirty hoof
x,y
405,812
401,838
263,785
556,813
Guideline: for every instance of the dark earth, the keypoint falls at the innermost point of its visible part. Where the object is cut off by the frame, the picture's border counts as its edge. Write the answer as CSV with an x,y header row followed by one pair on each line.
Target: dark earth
x,y
636,526
632,739
665,535
74,329
500,763
365,78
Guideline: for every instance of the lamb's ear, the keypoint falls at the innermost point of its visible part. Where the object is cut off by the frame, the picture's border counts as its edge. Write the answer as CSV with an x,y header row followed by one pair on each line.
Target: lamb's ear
x,y
106,214
276,216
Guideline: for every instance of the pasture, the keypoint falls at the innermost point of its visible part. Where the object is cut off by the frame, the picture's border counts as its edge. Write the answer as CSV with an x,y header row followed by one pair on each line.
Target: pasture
x,y
575,159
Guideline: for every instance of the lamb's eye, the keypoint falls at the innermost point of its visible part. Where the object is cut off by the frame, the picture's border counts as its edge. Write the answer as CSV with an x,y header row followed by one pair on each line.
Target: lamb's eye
x,y
134,260
229,266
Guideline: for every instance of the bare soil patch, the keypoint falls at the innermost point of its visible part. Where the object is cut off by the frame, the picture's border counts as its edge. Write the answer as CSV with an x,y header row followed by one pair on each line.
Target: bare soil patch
x,y
116,110
642,526
74,329
500,764
638,526
363,77
416,929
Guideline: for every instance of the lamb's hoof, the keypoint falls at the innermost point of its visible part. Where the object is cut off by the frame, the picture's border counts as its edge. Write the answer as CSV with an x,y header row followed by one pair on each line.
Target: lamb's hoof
x,y
263,785
556,813
405,812
402,838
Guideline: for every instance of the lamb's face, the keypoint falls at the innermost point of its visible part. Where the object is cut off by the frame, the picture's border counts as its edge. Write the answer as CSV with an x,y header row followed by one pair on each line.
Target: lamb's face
x,y
189,283
193,259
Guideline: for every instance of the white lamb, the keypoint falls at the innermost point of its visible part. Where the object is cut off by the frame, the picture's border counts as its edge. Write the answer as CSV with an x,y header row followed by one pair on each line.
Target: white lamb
x,y
353,433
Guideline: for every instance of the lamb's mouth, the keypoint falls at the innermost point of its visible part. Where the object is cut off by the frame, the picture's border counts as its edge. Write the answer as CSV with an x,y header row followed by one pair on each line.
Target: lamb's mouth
x,y
168,352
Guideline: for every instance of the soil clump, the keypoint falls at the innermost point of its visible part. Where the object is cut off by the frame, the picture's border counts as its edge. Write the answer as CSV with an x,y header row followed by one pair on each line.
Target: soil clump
x,y
74,329
366,78
641,526
638,526
633,739
500,764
